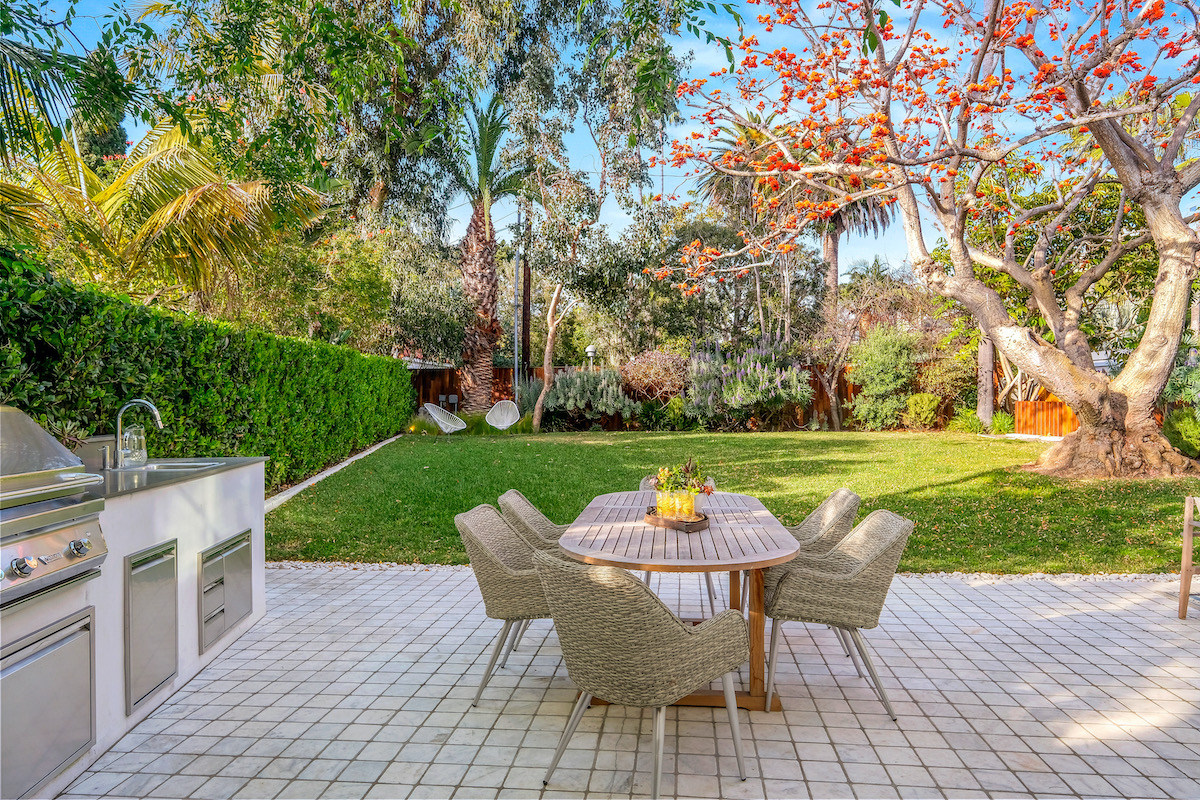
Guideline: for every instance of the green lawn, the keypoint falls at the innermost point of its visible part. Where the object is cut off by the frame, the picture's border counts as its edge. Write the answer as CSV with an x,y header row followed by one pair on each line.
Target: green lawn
x,y
974,509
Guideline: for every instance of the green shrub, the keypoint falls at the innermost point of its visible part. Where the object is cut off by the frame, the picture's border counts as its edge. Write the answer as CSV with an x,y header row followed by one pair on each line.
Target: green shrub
x,y
71,357
760,385
1182,430
922,411
884,365
583,396
1003,423
654,416
965,421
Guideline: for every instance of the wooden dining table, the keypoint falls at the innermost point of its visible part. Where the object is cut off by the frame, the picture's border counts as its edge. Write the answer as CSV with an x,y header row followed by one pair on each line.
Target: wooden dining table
x,y
742,536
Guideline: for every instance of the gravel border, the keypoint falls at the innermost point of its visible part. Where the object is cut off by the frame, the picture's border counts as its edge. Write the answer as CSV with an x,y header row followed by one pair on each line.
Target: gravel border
x,y
990,577
365,565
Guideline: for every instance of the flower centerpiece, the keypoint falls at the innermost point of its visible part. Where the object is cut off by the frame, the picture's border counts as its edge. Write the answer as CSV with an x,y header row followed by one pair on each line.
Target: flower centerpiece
x,y
680,491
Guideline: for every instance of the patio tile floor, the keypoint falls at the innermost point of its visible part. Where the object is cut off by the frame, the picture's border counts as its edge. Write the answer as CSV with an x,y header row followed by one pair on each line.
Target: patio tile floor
x,y
358,683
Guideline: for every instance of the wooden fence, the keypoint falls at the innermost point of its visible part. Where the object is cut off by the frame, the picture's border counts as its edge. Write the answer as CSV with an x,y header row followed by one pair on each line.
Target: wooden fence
x,y
1045,418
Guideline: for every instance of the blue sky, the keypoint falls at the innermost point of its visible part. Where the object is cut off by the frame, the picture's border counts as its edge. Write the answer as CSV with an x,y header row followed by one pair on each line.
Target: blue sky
x,y
667,181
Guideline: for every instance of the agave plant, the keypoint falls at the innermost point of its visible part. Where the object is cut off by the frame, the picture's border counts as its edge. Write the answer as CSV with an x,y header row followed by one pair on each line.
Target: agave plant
x,y
167,216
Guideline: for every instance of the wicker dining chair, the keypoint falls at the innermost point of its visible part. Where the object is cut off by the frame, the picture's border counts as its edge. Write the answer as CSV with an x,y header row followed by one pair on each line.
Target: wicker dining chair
x,y
622,644
845,589
510,586
532,525
819,533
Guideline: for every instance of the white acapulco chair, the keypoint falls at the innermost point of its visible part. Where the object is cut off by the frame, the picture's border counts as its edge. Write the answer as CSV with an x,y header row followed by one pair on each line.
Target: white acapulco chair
x,y
444,419
503,415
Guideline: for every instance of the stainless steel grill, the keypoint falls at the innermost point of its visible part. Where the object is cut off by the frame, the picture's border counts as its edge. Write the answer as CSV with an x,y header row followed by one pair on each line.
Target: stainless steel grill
x,y
49,531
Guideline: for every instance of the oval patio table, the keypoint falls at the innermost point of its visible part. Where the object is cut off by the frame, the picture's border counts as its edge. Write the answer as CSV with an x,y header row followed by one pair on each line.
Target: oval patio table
x,y
742,535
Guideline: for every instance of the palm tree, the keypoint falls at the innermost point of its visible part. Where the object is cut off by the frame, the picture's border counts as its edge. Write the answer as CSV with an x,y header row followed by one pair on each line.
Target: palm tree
x,y
167,216
477,170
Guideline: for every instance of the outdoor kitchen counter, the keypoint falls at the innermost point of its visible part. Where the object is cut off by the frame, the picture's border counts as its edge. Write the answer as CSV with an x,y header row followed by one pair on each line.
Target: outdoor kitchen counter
x,y
119,482
183,579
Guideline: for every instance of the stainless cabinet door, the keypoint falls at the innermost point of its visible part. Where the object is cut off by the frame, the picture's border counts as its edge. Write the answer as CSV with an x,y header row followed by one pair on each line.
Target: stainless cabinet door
x,y
239,583
151,624
47,706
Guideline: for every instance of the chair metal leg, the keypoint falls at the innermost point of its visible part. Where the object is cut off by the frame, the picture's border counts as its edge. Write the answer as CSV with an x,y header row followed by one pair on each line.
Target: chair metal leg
x,y
512,644
845,636
841,639
776,635
734,724
521,634
712,594
745,592
660,736
581,705
487,672
879,690
646,577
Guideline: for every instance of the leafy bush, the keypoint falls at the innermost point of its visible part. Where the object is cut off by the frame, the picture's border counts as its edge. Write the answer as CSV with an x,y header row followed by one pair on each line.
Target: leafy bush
x,y
884,364
757,385
527,394
655,375
1183,386
71,357
952,378
582,395
965,421
653,416
922,411
1182,430
1003,423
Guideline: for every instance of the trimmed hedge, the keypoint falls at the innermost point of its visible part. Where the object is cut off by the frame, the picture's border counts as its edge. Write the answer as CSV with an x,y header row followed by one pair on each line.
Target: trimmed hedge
x,y
71,357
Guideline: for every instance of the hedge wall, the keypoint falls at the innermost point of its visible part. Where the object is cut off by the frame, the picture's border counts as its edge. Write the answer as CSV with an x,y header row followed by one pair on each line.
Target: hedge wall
x,y
71,357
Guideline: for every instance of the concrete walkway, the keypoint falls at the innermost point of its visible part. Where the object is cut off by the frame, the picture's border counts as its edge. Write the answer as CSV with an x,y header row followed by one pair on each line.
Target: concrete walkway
x,y
358,684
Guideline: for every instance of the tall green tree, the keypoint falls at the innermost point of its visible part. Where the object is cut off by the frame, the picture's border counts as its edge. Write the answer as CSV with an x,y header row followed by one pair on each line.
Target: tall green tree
x,y
478,170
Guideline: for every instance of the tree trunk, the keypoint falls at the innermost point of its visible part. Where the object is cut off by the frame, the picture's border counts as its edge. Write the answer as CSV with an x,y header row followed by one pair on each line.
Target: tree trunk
x,y
758,301
985,403
547,358
480,287
829,381
830,242
526,290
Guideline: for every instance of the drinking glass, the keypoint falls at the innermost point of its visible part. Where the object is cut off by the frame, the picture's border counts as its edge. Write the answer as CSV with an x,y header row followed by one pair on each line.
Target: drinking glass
x,y
134,445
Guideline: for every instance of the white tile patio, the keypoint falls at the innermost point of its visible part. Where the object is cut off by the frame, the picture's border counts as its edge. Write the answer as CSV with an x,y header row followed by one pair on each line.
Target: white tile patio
x,y
358,684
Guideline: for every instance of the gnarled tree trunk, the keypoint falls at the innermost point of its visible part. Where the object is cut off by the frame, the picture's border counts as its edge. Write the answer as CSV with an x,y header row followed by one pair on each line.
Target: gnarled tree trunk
x,y
479,285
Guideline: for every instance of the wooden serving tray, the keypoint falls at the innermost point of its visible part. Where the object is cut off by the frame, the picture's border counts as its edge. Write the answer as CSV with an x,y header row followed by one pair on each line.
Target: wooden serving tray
x,y
685,525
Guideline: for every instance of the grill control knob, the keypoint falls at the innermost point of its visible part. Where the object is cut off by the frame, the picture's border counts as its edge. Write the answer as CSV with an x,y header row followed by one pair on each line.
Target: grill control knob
x,y
23,567
80,547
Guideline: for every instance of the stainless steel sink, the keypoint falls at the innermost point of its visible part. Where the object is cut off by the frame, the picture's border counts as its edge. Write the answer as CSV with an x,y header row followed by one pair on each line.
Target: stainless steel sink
x,y
174,466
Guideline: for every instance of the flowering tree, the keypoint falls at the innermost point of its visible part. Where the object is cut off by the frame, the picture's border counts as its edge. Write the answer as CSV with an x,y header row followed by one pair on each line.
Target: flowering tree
x,y
1017,109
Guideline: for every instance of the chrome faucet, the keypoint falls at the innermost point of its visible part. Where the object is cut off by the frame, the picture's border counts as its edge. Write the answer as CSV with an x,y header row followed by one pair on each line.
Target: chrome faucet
x,y
120,459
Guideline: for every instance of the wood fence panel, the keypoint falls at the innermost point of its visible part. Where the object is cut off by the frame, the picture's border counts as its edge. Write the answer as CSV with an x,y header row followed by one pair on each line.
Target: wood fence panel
x,y
1045,418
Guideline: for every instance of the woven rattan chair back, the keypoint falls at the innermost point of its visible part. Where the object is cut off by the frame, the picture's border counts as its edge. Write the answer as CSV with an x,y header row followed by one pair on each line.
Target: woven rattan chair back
x,y
876,543
829,522
622,644
532,525
502,563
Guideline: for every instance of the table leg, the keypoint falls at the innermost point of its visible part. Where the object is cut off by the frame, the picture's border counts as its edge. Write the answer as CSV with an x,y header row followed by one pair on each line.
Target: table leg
x,y
758,631
735,590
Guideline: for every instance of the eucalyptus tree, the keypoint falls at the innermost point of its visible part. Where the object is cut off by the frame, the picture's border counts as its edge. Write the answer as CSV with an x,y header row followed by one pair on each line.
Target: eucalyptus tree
x,y
478,169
